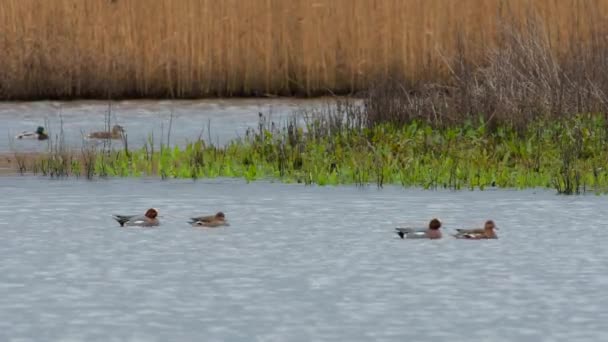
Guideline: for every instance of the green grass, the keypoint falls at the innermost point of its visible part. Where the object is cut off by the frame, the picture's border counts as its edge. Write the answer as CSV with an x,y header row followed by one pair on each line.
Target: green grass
x,y
569,155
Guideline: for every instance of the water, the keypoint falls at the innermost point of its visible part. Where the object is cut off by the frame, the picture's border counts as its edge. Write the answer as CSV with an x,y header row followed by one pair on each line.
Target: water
x,y
218,121
297,264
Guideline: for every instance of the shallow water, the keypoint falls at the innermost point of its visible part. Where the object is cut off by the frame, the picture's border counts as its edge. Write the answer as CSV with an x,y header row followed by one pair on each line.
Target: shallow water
x,y
297,264
217,121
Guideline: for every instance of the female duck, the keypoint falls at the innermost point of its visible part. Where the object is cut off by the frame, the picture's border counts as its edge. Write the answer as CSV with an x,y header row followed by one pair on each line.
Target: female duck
x,y
149,219
432,232
116,133
40,134
487,232
212,221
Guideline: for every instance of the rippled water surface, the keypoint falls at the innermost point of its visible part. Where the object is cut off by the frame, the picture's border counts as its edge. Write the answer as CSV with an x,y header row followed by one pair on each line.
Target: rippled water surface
x,y
216,120
297,264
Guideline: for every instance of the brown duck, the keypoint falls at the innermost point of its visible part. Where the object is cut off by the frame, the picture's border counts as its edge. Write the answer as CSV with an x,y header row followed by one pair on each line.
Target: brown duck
x,y
116,133
211,221
487,232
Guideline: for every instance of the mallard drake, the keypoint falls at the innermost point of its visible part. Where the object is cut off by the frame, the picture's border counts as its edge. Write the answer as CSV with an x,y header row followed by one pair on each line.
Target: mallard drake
x,y
149,219
487,232
116,133
40,134
211,221
432,232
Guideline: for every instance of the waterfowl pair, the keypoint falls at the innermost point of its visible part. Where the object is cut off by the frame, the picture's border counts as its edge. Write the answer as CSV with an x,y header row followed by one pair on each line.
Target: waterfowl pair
x,y
150,219
116,133
39,134
433,232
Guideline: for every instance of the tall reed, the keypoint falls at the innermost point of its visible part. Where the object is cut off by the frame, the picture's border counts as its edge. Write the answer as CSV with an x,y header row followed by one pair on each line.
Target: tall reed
x,y
195,48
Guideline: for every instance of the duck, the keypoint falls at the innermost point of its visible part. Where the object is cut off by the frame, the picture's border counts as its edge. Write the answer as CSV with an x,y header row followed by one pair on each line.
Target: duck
x,y
149,219
40,134
432,232
116,133
487,232
211,221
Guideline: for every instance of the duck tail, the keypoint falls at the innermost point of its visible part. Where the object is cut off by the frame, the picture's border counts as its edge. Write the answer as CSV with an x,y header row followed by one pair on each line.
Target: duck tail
x,y
121,219
401,235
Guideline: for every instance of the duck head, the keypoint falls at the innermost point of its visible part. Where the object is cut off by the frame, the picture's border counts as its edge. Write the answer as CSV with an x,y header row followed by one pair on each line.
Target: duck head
x,y
435,224
220,216
489,226
488,230
152,213
40,130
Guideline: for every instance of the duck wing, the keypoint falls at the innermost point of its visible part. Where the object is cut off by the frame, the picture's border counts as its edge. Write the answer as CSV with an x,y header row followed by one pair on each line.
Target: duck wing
x,y
138,221
409,232
26,134
206,219
469,235
99,135
210,224
417,235
470,231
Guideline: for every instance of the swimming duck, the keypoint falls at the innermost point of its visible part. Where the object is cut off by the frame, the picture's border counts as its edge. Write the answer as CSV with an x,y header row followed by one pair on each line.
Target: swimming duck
x,y
487,232
211,221
40,134
147,220
116,133
432,232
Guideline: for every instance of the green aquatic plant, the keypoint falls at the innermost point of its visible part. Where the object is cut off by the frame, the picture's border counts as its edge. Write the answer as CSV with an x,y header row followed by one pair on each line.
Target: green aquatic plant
x,y
568,155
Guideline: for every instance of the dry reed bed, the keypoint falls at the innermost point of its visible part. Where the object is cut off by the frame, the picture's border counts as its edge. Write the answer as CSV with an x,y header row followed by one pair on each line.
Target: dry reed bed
x,y
195,48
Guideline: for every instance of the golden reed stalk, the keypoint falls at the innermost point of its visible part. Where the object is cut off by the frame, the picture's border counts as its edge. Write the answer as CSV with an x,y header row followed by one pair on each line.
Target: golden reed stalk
x,y
196,48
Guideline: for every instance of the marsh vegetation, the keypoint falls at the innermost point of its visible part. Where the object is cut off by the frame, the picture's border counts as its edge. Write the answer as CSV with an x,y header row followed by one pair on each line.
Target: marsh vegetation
x,y
338,146
134,49
520,105
526,117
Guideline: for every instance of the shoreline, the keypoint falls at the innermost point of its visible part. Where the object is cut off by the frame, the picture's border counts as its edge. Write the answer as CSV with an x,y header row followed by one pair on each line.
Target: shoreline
x,y
9,164
567,156
242,100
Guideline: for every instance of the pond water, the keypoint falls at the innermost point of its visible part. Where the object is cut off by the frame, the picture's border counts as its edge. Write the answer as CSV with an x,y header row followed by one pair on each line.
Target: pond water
x,y
216,120
297,264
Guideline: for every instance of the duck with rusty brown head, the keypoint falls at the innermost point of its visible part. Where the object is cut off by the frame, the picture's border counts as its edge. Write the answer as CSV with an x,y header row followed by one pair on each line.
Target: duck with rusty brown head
x,y
149,219
432,232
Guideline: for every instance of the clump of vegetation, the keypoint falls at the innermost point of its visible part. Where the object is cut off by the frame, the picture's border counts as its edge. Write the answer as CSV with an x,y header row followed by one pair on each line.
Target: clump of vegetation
x,y
521,81
337,147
